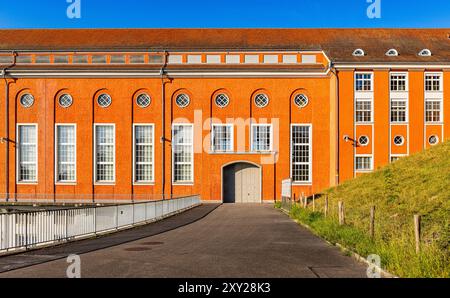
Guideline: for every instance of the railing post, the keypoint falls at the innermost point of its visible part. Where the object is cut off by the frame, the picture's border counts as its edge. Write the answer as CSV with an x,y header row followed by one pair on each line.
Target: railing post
x,y
372,222
341,213
95,220
67,227
26,231
417,232
314,202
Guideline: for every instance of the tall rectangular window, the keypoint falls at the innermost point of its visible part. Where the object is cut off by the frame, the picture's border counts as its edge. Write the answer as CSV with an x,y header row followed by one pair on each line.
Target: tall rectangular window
x,y
65,153
261,136
27,153
363,82
183,153
222,137
105,153
433,82
301,153
363,163
398,110
398,82
363,110
433,110
143,153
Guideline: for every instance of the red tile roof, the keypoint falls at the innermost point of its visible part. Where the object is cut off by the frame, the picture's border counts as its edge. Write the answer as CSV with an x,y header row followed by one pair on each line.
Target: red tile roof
x,y
339,44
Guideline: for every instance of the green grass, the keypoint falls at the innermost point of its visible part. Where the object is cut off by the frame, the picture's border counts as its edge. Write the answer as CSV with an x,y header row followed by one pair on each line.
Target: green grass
x,y
419,184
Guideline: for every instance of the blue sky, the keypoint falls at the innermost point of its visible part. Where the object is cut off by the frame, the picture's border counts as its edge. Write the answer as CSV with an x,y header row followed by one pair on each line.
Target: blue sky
x,y
223,14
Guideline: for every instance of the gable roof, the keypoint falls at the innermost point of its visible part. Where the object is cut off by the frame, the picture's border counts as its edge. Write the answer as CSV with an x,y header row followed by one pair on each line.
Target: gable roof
x,y
338,44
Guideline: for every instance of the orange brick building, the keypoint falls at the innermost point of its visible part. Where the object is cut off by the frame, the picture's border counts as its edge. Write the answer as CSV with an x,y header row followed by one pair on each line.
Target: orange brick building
x,y
224,113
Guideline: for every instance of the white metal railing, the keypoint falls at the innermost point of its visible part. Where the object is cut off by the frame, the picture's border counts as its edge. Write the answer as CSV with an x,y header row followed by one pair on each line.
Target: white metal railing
x,y
26,230
81,198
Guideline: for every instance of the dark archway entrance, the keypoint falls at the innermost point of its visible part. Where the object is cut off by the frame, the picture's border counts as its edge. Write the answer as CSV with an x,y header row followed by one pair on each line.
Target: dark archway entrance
x,y
241,183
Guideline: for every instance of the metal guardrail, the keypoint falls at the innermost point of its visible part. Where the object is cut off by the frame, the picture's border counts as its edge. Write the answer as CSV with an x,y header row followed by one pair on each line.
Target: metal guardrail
x,y
27,230
81,198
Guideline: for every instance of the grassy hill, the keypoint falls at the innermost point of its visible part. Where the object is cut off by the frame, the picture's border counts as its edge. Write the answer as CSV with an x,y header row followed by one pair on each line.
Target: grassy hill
x,y
418,184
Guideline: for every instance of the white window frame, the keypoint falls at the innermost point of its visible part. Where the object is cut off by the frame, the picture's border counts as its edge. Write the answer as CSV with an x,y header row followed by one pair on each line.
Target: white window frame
x,y
399,156
231,126
364,170
371,110
18,180
57,181
184,182
441,110
399,74
310,163
144,182
406,110
441,81
106,182
251,137
371,81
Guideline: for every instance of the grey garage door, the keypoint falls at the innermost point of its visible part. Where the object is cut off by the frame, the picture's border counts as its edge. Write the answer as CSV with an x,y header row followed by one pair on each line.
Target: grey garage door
x,y
241,183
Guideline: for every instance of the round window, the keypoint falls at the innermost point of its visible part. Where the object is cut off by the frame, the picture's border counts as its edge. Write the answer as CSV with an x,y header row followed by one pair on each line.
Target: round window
x,y
182,100
399,140
143,100
27,100
261,100
301,100
222,100
363,140
104,100
65,100
433,140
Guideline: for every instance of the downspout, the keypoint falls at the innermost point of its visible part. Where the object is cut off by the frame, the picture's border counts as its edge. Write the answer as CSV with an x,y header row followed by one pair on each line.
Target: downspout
x,y
163,126
334,72
6,138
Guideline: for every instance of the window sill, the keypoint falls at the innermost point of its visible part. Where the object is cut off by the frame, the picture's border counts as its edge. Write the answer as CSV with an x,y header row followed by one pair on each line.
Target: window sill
x,y
151,183
105,183
301,183
27,183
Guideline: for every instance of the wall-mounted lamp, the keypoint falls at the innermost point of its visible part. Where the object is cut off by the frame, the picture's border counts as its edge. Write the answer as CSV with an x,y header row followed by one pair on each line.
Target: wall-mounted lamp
x,y
346,138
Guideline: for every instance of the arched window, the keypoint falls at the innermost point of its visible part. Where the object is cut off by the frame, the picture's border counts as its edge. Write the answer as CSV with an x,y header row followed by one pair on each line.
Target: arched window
x,y
358,53
104,100
301,100
27,100
261,100
392,53
425,53
65,100
143,100
222,100
182,100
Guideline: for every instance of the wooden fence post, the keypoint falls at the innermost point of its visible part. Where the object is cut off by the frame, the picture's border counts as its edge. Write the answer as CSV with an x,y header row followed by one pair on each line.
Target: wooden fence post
x,y
417,231
314,202
326,206
372,222
341,213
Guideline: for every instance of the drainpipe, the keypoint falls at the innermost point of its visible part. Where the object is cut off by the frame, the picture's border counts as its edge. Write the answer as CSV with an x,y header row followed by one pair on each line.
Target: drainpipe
x,y
334,72
6,138
163,126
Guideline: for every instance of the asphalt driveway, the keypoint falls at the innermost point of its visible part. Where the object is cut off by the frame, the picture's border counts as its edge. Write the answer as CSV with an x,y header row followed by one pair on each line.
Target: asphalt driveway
x,y
231,241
